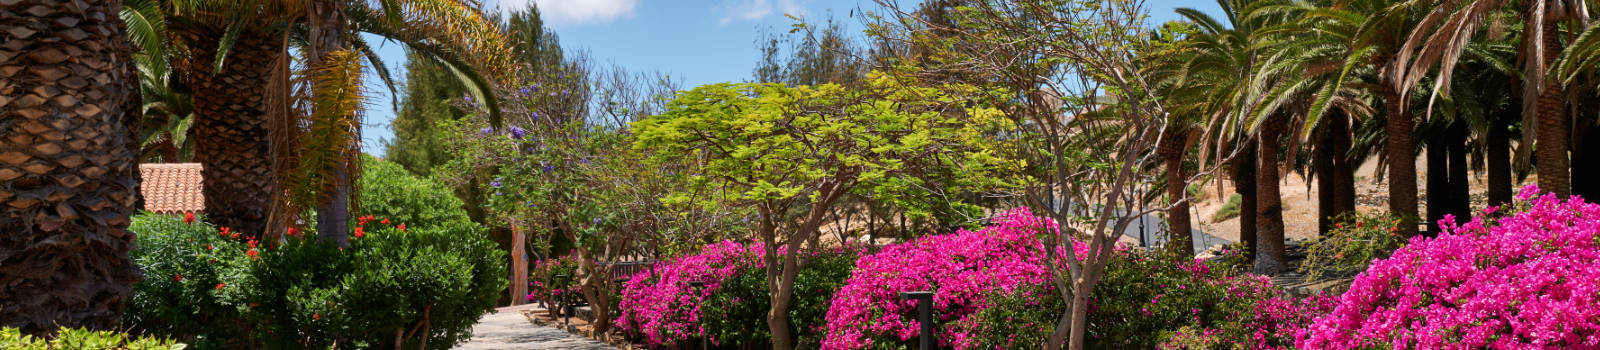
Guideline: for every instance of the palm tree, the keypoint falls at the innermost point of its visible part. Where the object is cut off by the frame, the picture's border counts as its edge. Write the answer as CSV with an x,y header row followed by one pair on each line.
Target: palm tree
x,y
247,125
1443,36
67,167
1229,58
1186,101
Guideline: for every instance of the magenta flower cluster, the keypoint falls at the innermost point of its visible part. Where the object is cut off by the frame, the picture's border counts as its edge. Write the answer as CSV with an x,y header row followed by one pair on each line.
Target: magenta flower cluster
x,y
962,269
662,304
1523,280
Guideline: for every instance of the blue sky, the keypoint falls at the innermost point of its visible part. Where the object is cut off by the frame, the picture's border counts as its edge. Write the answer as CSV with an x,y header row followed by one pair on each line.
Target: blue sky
x,y
695,41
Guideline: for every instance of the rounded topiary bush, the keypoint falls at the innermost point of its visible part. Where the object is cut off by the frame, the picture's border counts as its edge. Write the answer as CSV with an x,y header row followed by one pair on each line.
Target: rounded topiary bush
x,y
1521,277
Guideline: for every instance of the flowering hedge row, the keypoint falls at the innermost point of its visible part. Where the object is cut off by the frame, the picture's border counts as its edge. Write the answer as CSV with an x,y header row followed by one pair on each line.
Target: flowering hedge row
x,y
962,269
1508,278
662,305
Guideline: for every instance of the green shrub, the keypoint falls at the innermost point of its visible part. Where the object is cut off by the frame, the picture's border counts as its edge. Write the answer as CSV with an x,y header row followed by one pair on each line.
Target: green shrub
x,y
389,191
1228,210
743,301
1355,241
1142,301
79,339
308,293
1197,191
183,263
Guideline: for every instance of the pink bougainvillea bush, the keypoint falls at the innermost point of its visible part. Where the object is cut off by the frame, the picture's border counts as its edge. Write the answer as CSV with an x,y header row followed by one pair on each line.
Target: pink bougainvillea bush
x,y
1517,279
661,304
962,269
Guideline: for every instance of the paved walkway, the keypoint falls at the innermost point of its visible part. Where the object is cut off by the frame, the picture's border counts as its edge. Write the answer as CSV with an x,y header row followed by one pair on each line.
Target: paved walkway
x,y
508,329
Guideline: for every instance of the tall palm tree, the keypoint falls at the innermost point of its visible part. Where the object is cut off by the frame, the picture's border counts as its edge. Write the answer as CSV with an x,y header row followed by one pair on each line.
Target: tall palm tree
x,y
1442,37
1228,57
1185,99
67,167
234,55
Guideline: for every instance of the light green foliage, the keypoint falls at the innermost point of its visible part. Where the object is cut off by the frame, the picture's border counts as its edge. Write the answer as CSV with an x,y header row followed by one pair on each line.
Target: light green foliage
x,y
388,191
768,142
1228,210
80,339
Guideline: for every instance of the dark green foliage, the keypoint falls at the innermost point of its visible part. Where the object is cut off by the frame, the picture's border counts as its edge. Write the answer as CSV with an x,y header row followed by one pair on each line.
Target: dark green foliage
x,y
436,277
80,339
431,91
1143,300
388,191
740,306
178,295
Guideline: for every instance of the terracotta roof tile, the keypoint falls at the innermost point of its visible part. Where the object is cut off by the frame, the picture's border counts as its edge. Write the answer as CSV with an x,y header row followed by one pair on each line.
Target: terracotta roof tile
x,y
172,188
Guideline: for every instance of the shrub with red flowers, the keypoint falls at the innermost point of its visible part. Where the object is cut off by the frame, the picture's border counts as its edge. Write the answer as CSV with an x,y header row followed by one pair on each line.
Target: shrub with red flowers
x,y
1520,278
663,306
962,269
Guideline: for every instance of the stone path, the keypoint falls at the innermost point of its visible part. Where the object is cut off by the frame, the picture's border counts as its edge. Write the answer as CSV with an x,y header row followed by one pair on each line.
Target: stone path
x,y
508,329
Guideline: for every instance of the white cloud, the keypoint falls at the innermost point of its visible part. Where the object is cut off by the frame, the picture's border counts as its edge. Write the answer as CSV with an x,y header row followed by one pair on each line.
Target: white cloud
x,y
576,11
750,10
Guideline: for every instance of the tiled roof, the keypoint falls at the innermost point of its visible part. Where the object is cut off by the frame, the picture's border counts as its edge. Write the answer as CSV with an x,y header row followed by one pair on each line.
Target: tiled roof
x,y
172,188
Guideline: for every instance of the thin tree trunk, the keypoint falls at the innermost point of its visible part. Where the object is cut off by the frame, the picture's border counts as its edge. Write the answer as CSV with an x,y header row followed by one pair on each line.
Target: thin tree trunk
x,y
1460,186
1182,235
1498,157
1438,183
1551,146
328,26
1322,166
1270,257
1244,183
1402,162
1344,174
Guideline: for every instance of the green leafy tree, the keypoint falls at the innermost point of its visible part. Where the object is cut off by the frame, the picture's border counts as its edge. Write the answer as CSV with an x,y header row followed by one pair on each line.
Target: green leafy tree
x,y
792,152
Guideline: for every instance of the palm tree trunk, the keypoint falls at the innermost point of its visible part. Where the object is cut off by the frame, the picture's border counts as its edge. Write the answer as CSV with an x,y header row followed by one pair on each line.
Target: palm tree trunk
x,y
1244,183
68,165
328,26
1271,258
1498,157
1400,155
230,128
1322,166
1586,161
1344,174
1551,146
1178,226
1438,183
1460,188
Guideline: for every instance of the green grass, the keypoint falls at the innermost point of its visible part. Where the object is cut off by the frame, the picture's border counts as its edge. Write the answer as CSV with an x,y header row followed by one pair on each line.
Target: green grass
x,y
1197,193
1229,210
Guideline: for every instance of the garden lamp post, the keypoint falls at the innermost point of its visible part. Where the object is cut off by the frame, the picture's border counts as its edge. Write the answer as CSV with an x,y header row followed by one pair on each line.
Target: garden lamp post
x,y
924,315
565,308
704,338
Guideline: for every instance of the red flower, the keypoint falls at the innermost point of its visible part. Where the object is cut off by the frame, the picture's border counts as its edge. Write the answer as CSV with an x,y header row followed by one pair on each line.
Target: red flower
x,y
385,221
224,232
177,278
402,227
252,244
293,232
316,316
220,285
188,218
360,232
252,253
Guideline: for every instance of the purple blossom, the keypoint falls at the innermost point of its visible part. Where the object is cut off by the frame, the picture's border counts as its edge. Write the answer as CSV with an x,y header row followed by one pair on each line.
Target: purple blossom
x,y
518,133
494,183
487,131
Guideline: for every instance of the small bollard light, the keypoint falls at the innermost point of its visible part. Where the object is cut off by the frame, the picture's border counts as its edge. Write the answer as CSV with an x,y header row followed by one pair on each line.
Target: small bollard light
x,y
924,315
565,309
